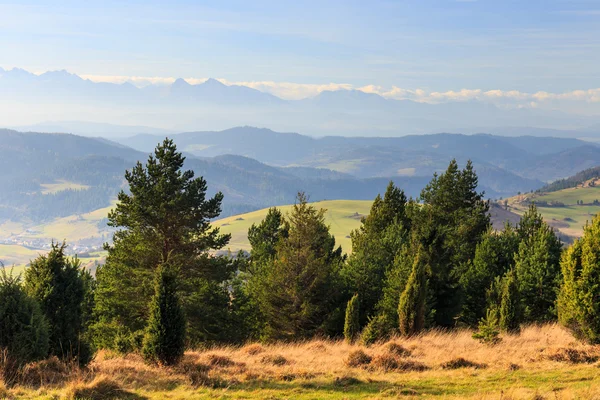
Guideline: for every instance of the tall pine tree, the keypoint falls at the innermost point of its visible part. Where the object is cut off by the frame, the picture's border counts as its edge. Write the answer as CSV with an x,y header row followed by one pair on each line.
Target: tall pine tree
x,y
411,307
165,217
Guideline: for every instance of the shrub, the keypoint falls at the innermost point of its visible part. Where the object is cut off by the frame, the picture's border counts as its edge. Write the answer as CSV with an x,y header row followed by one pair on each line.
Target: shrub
x,y
216,360
274,359
488,328
376,330
462,363
164,342
411,307
23,329
56,283
352,324
100,389
358,358
397,350
253,349
388,362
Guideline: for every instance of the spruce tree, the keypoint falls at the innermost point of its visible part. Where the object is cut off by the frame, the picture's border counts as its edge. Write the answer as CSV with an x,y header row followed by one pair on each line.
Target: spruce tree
x,y
352,324
56,282
23,327
449,225
494,256
299,292
578,306
375,246
537,265
411,307
164,341
510,303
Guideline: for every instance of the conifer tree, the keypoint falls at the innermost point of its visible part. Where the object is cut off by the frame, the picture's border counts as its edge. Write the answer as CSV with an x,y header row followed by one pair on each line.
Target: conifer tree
x,y
300,290
411,307
537,265
56,282
352,324
164,217
510,303
164,341
449,225
23,327
375,245
578,306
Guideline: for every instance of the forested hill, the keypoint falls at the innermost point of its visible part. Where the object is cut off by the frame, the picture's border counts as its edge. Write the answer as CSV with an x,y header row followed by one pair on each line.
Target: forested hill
x,y
525,161
56,175
573,181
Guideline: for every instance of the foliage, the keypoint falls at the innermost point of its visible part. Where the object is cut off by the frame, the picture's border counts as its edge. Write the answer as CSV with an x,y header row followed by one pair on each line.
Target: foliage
x,y
488,328
56,282
377,329
352,324
537,266
411,307
578,308
510,315
298,290
165,217
164,342
449,226
375,245
23,328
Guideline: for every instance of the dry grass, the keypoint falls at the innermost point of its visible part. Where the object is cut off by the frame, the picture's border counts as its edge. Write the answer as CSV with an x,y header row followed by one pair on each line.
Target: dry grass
x,y
541,361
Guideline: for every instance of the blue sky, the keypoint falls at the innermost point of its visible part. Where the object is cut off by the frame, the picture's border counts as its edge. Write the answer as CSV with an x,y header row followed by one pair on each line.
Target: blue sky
x,y
438,45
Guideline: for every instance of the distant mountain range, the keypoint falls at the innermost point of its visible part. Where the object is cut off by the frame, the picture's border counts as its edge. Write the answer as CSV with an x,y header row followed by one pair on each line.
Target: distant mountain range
x,y
28,100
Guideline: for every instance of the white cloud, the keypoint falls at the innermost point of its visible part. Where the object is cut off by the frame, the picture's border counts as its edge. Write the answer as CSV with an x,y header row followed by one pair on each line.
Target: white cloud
x,y
296,91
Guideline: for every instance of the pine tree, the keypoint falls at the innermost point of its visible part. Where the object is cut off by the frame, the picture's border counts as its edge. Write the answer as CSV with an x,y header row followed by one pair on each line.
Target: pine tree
x,y
300,291
510,303
23,328
56,282
411,307
375,245
537,265
351,324
165,217
449,225
578,306
494,256
164,341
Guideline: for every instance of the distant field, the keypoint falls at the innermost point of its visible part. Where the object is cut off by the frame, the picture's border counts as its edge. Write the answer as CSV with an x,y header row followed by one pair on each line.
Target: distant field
x,y
60,185
343,216
569,219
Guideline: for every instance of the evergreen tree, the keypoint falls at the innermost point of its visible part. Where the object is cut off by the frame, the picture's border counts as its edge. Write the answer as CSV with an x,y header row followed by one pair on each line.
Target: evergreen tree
x,y
509,303
23,328
164,341
494,256
452,221
578,306
411,307
375,245
265,236
165,217
352,325
300,291
56,282
537,265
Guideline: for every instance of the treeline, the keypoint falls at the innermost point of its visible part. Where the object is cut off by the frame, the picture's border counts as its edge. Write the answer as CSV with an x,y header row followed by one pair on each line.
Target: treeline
x,y
572,181
416,264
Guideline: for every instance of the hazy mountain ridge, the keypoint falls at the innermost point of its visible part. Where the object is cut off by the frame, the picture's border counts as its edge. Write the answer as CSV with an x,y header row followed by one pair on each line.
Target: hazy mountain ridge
x,y
180,106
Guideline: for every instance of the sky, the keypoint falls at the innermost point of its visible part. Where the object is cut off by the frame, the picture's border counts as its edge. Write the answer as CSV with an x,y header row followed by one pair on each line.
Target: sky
x,y
402,49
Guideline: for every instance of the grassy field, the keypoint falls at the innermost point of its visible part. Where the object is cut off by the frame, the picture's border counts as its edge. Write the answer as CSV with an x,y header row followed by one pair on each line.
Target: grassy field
x,y
569,219
343,216
60,185
539,363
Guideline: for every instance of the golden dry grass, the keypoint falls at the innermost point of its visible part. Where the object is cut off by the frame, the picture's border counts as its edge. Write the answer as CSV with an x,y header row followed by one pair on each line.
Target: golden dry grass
x,y
542,362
